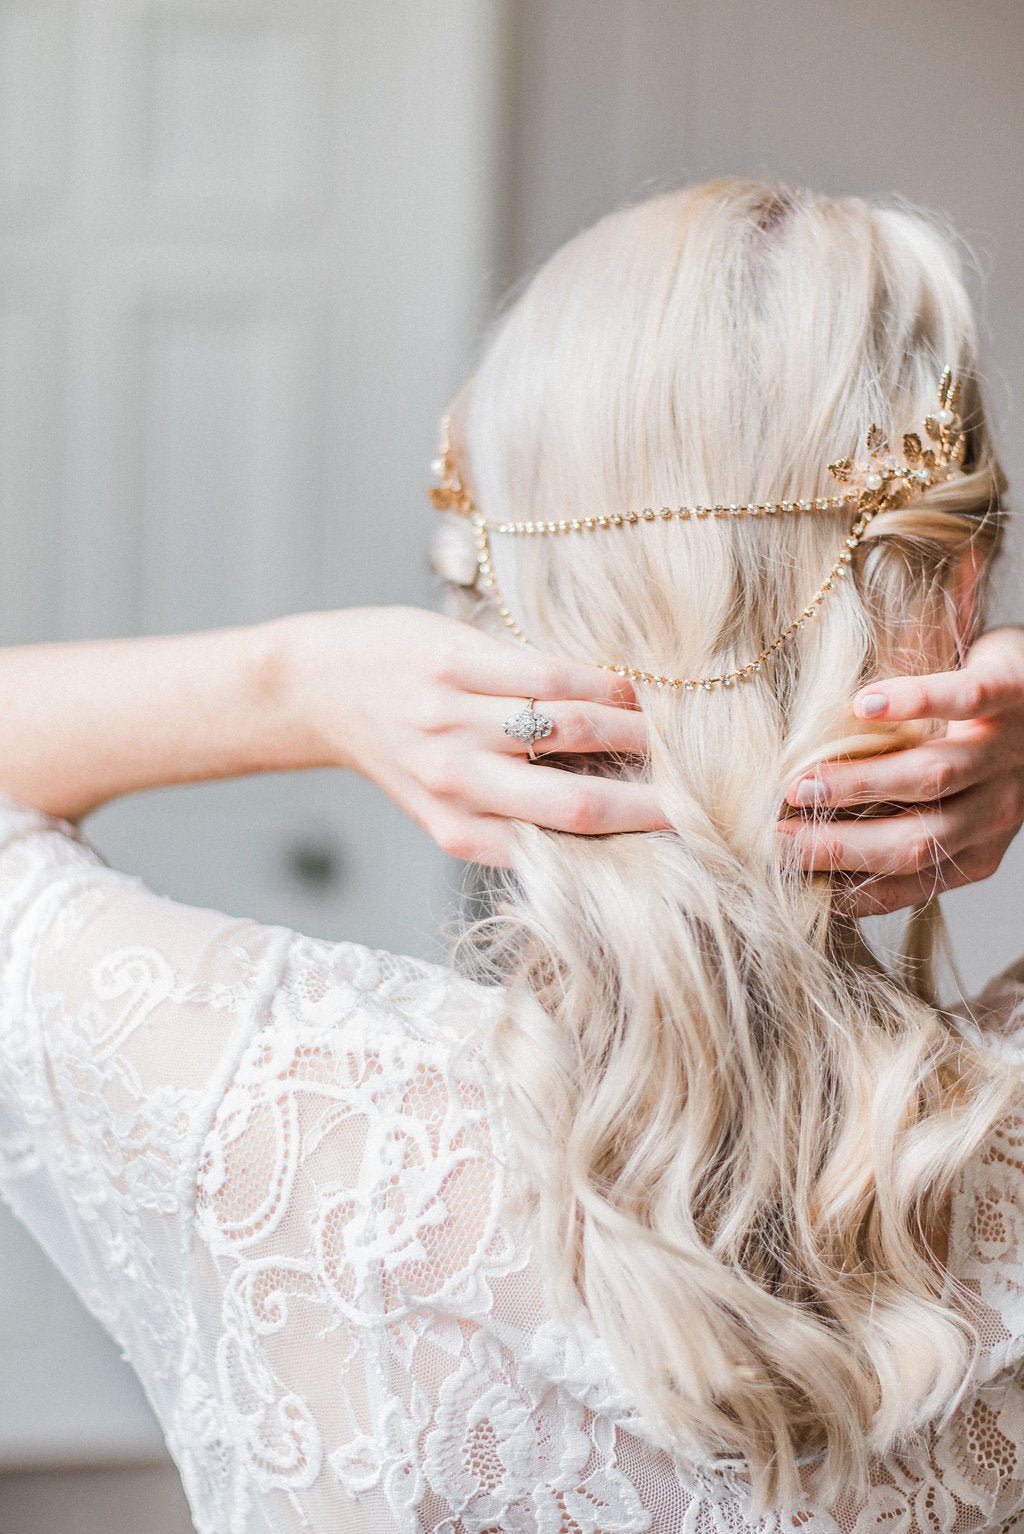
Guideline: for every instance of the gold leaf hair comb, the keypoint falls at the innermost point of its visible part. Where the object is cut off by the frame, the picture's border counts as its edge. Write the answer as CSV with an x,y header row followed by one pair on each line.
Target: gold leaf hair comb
x,y
883,483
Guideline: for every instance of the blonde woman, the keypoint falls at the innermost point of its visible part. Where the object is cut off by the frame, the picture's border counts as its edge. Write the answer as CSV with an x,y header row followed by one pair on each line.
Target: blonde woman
x,y
680,1210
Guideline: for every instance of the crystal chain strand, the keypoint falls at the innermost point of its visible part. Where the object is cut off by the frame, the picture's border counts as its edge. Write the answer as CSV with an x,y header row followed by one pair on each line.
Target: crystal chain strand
x,y
674,513
838,571
885,483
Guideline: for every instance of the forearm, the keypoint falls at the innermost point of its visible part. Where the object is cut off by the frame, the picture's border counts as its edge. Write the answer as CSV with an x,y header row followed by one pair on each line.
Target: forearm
x,y
83,723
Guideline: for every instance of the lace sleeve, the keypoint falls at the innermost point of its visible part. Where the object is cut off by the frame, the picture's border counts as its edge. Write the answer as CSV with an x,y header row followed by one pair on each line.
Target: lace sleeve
x,y
266,1164
122,1016
347,1245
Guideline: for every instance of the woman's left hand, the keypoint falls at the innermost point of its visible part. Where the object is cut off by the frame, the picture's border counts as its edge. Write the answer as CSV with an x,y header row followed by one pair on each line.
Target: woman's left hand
x,y
961,795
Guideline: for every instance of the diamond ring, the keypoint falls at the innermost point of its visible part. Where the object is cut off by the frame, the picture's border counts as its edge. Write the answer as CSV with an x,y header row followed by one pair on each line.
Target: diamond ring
x,y
528,725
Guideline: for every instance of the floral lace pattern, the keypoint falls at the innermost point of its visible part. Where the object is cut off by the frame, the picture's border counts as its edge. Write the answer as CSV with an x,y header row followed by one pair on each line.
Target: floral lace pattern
x,y
275,1169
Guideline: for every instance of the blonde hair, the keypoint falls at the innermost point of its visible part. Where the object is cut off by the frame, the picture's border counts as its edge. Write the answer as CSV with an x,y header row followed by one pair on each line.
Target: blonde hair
x,y
738,1124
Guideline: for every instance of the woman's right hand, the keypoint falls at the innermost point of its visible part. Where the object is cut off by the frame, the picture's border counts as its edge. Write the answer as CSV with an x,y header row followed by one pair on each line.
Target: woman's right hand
x,y
415,701
958,798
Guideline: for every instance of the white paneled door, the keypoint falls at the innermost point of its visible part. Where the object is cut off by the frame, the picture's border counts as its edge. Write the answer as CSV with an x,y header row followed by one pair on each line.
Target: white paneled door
x,y
245,249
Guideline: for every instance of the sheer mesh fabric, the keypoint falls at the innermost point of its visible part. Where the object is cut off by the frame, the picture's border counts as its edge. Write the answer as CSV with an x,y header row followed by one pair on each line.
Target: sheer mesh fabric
x,y
275,1168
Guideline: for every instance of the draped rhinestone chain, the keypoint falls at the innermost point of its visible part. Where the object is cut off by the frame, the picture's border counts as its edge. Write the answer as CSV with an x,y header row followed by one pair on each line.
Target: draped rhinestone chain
x,y
884,483
487,580
674,514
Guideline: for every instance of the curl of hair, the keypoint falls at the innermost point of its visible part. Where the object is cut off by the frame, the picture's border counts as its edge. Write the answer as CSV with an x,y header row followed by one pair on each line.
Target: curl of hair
x,y
739,1125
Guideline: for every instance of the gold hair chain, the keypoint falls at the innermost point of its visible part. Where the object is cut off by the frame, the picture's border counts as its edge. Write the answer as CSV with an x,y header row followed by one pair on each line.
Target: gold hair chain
x,y
884,483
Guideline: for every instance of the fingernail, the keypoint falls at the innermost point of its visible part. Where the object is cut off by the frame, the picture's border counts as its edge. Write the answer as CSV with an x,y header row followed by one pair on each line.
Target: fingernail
x,y
810,791
871,705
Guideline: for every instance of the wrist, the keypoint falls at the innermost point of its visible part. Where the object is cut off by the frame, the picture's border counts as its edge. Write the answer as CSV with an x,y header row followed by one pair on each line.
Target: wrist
x,y
296,670
275,735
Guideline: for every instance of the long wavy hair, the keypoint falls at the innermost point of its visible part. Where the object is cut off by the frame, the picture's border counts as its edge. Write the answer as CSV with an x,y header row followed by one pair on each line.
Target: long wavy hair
x,y
740,1126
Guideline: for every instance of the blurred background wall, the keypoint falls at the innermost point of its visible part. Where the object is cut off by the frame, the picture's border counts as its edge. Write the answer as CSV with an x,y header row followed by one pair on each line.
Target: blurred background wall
x,y
246,251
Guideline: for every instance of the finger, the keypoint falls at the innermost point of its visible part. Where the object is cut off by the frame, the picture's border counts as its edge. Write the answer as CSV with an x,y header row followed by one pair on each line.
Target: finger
x,y
503,669
471,838
578,727
907,843
917,775
570,801
976,691
876,897
990,681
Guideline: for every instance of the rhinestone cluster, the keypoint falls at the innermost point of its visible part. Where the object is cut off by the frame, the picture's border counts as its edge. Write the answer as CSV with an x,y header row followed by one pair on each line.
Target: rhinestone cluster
x,y
528,725
884,483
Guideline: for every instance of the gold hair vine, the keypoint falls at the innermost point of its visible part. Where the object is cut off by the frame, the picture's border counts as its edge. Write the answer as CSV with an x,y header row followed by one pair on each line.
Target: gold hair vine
x,y
884,483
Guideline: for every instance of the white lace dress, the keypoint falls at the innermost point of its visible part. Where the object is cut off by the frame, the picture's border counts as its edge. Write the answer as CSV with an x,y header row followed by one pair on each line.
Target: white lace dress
x,y
273,1167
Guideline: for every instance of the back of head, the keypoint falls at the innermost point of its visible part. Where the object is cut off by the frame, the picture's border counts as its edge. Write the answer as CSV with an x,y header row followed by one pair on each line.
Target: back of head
x,y
737,1122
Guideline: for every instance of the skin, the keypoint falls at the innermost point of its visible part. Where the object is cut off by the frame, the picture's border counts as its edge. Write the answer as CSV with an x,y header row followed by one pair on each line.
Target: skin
x,y
962,794
415,701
